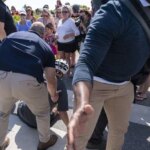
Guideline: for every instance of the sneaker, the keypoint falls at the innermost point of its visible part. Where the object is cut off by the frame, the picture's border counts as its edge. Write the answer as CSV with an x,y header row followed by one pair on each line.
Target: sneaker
x,y
96,146
51,142
5,144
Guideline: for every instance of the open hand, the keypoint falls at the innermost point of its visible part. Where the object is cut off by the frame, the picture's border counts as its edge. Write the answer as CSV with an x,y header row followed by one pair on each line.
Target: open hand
x,y
77,125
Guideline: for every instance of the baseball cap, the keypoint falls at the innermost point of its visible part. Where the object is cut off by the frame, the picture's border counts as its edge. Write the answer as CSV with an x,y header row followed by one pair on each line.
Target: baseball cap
x,y
22,12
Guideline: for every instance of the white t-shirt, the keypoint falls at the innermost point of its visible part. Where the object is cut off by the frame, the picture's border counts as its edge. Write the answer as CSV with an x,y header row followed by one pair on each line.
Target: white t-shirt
x,y
145,3
64,28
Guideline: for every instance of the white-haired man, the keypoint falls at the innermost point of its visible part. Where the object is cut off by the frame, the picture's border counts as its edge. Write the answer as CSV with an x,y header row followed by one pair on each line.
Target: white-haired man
x,y
24,57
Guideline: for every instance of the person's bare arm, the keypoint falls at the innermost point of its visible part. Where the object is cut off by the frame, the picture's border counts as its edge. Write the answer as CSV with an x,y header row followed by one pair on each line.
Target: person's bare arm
x,y
82,91
2,31
50,74
83,110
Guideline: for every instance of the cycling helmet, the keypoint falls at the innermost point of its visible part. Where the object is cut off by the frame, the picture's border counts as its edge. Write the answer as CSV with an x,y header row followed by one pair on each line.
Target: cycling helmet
x,y
62,66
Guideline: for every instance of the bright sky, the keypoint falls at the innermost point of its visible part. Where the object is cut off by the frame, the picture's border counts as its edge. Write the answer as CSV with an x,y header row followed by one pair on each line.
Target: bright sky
x,y
40,3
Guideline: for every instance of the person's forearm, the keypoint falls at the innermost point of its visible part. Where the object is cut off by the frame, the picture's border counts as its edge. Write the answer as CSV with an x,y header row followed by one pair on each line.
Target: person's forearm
x,y
82,91
52,87
2,35
71,35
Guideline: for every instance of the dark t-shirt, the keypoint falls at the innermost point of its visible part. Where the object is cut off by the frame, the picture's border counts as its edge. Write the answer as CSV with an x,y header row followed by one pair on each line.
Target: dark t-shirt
x,y
63,96
25,52
6,18
62,103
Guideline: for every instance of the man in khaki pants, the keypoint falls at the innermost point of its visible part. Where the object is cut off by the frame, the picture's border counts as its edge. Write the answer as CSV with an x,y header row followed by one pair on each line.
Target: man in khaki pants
x,y
24,57
115,49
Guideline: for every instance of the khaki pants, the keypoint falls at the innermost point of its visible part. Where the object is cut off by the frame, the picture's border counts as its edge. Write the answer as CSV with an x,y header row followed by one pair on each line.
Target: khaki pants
x,y
15,86
116,100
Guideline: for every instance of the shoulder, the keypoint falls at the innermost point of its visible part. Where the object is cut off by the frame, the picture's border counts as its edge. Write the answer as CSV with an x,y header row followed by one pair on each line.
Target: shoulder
x,y
111,8
113,16
114,8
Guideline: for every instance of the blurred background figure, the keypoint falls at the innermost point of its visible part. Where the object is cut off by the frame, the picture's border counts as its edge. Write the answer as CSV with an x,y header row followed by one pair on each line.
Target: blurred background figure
x,y
38,13
67,3
47,17
30,14
58,4
58,15
23,24
50,37
46,6
13,11
66,33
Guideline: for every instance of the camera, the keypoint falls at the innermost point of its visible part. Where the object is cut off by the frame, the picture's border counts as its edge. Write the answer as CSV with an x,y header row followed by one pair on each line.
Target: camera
x,y
78,21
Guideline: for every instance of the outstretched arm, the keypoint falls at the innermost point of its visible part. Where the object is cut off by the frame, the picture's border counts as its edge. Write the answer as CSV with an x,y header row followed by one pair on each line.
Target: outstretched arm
x,y
83,110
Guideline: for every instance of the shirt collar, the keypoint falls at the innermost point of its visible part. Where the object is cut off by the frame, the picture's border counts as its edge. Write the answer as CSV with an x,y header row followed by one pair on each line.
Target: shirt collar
x,y
35,32
145,3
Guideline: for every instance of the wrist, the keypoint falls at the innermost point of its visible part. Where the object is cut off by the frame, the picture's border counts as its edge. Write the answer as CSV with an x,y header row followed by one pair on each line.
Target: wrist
x,y
54,95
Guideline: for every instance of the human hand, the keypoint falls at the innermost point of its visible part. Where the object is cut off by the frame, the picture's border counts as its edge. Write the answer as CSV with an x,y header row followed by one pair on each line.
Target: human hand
x,y
77,125
66,36
56,96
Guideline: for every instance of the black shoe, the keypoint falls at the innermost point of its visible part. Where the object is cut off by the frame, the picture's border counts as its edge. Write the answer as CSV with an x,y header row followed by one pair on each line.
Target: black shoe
x,y
51,142
5,144
97,146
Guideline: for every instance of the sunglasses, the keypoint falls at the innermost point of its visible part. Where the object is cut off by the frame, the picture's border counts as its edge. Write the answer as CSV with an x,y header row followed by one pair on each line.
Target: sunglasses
x,y
59,12
45,16
28,10
22,15
64,12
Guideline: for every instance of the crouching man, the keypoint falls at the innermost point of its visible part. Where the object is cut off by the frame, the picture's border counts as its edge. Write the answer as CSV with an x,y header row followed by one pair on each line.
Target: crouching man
x,y
24,57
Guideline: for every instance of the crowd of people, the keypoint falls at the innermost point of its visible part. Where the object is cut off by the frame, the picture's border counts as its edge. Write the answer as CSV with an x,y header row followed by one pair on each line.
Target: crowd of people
x,y
66,27
38,47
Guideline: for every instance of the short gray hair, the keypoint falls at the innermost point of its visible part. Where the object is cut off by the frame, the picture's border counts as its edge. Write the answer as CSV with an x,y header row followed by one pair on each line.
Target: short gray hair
x,y
38,27
68,8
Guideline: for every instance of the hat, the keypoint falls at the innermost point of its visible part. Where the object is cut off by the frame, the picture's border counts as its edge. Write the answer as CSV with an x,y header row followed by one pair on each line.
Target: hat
x,y
46,10
22,12
46,6
28,8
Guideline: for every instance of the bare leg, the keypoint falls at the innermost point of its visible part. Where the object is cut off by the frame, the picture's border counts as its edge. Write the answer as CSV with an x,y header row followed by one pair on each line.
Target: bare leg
x,y
64,117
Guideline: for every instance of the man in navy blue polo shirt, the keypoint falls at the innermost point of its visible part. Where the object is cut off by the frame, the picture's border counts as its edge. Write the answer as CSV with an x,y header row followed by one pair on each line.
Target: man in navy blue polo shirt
x,y
24,57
